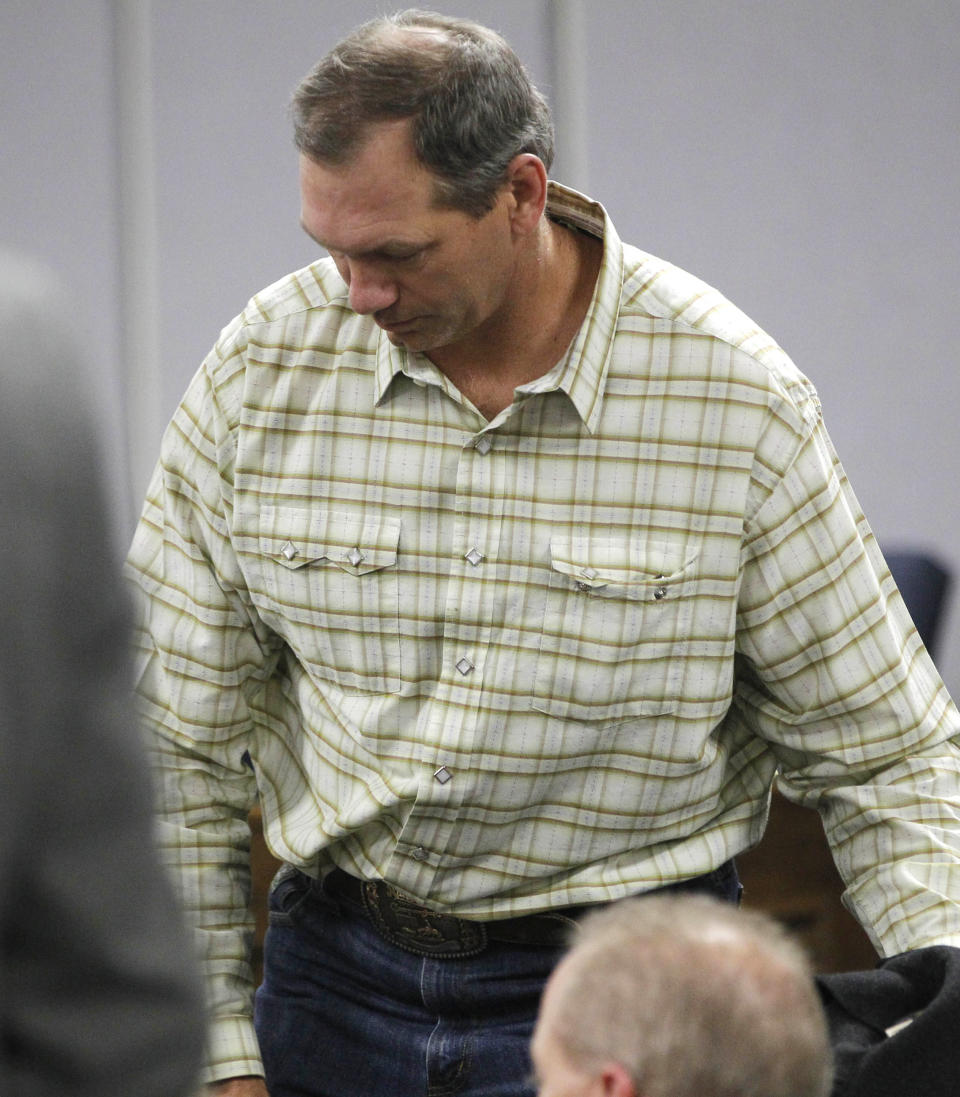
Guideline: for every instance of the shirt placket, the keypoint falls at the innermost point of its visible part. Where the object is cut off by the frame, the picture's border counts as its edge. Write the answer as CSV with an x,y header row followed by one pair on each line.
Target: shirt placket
x,y
455,717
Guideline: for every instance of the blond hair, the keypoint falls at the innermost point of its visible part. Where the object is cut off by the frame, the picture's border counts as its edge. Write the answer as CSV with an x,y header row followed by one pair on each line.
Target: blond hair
x,y
692,997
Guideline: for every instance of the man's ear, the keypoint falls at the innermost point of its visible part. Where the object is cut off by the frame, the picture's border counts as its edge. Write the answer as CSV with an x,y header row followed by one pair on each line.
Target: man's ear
x,y
616,1082
527,183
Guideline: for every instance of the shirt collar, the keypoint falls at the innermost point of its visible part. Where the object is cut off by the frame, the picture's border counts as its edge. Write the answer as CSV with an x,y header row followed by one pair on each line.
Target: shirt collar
x,y
392,361
582,372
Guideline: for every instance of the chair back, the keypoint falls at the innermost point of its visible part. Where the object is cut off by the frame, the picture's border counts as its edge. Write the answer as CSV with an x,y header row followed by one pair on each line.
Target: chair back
x,y
924,582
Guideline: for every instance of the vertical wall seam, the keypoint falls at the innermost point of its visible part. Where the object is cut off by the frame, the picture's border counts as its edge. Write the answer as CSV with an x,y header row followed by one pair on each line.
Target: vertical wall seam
x,y
568,36
138,242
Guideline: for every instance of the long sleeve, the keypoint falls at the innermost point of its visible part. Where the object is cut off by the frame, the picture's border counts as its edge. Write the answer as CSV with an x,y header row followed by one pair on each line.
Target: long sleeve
x,y
200,655
833,674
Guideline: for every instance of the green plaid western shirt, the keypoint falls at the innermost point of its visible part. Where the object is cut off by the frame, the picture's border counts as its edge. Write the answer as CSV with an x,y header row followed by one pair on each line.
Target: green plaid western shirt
x,y
549,659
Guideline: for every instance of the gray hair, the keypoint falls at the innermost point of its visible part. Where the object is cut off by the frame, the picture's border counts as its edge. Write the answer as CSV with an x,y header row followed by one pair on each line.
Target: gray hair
x,y
692,997
472,104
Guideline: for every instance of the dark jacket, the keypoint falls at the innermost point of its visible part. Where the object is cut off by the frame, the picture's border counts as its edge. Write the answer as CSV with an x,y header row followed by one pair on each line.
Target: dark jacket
x,y
921,1059
98,993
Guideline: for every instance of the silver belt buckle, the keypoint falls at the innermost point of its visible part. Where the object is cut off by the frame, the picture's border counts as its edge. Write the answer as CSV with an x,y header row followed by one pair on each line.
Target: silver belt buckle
x,y
414,928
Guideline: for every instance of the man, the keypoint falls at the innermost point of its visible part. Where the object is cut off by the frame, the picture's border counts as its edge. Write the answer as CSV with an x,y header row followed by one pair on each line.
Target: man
x,y
98,992
506,564
681,997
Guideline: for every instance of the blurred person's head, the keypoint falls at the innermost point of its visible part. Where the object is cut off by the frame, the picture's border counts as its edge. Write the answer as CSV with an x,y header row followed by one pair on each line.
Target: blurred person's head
x,y
681,996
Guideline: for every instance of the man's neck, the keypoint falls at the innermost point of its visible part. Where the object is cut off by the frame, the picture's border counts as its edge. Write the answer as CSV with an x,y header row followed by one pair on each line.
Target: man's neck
x,y
551,294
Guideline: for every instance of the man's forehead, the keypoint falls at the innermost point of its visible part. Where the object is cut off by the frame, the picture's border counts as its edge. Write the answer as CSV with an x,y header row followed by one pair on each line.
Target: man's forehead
x,y
553,991
387,244
376,179
371,215
539,1046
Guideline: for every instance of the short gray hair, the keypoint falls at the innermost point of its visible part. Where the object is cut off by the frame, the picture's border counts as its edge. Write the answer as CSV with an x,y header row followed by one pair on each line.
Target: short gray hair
x,y
471,102
692,997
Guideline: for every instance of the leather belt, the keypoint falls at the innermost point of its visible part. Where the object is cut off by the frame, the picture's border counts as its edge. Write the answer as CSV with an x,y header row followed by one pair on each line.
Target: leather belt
x,y
405,923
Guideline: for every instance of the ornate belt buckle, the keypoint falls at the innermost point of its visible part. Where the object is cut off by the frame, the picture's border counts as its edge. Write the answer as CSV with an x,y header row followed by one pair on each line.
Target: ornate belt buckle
x,y
406,924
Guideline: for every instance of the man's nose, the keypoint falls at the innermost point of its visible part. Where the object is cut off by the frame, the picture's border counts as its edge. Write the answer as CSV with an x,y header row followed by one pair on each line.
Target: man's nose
x,y
370,289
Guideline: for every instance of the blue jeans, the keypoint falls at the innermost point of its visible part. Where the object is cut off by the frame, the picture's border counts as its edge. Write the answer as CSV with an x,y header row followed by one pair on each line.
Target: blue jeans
x,y
343,1013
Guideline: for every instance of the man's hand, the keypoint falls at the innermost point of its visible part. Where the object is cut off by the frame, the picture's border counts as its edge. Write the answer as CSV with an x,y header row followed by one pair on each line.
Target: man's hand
x,y
251,1086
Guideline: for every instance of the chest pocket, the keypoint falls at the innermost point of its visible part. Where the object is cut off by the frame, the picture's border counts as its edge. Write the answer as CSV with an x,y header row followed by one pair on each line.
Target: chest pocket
x,y
326,581
615,628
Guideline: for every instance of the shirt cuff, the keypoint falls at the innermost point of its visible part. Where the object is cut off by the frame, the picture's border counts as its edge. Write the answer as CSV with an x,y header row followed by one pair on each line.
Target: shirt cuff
x,y
232,1050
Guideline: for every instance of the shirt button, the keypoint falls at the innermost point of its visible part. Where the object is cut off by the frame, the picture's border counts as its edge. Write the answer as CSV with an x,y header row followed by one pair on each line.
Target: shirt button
x,y
419,854
289,550
660,593
355,556
464,666
443,775
483,444
473,557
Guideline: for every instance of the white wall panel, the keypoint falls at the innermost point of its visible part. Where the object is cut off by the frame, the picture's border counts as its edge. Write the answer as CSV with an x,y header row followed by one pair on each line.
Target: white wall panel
x,y
58,177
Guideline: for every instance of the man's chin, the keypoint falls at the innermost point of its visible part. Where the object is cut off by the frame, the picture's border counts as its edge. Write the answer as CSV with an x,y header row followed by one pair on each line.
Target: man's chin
x,y
398,331
421,335
411,336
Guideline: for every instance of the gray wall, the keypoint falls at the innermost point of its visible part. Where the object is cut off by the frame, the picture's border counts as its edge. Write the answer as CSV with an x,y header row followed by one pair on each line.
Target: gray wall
x,y
802,155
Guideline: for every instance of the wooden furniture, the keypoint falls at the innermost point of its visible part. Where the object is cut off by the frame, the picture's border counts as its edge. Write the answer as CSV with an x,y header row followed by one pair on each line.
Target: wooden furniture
x,y
262,867
791,875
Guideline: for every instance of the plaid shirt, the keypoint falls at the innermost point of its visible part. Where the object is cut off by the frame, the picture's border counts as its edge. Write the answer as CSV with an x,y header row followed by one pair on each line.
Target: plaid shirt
x,y
548,659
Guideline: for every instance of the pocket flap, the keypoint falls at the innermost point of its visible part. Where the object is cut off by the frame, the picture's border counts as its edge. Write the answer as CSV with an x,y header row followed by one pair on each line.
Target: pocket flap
x,y
595,561
295,537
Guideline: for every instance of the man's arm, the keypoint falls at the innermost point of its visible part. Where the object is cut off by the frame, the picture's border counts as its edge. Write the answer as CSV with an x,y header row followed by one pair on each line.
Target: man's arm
x,y
201,649
835,678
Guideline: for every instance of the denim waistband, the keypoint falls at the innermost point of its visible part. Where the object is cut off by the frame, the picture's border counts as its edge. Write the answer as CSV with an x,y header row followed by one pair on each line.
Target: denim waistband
x,y
403,922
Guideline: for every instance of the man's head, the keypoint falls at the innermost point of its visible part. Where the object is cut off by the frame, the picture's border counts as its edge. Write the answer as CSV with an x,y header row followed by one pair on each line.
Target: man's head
x,y
424,150
681,997
470,103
